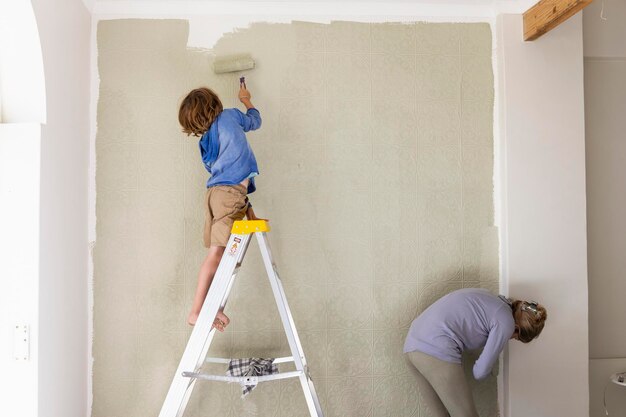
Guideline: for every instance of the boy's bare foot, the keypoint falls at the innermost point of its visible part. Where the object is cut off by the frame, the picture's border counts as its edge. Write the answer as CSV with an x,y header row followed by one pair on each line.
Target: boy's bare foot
x,y
192,318
221,321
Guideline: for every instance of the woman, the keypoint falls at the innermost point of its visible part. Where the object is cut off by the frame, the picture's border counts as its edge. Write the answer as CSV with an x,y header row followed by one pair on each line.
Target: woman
x,y
466,319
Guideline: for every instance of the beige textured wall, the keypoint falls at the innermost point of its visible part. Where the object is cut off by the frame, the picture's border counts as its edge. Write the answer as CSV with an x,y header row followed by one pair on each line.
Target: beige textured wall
x,y
376,159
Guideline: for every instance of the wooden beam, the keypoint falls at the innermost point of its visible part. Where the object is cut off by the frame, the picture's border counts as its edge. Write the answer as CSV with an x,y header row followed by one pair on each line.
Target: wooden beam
x,y
548,14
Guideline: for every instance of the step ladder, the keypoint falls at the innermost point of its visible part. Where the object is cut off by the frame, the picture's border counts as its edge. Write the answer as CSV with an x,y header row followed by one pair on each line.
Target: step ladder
x,y
198,346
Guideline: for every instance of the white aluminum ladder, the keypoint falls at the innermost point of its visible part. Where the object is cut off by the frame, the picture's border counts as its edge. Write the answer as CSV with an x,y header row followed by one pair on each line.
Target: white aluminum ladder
x,y
195,353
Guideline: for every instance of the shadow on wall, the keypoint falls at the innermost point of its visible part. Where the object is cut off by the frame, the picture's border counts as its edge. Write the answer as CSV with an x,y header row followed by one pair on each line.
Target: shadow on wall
x,y
376,160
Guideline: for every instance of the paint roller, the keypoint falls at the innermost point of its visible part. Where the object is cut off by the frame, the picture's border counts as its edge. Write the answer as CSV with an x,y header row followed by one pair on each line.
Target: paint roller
x,y
233,63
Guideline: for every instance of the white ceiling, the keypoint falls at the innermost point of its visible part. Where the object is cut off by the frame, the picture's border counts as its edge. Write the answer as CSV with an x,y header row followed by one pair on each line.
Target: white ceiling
x,y
316,1
314,7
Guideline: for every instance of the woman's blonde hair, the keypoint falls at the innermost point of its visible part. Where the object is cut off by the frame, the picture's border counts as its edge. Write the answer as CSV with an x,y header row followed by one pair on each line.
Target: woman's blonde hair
x,y
529,319
198,110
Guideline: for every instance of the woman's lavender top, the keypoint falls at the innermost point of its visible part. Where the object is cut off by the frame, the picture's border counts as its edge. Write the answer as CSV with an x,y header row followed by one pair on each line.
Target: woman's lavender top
x,y
466,319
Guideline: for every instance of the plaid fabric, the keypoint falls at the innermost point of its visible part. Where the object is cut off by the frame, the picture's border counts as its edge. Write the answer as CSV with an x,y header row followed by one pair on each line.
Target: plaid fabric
x,y
251,367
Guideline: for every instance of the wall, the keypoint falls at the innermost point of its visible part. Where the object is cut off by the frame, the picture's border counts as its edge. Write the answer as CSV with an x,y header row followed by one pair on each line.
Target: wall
x,y
605,98
22,90
64,28
19,266
379,135
22,109
543,209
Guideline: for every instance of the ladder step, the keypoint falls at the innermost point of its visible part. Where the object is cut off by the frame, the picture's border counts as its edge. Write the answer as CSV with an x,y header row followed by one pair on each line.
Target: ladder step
x,y
286,359
253,380
246,227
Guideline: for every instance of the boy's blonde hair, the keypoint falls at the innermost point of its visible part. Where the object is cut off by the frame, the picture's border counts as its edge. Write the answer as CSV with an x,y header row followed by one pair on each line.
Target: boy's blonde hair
x,y
198,110
529,319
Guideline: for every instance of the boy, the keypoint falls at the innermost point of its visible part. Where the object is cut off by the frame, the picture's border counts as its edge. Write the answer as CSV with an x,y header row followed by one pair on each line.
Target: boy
x,y
229,159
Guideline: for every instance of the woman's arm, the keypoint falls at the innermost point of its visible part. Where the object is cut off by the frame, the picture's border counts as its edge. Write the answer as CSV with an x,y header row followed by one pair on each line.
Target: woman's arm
x,y
498,337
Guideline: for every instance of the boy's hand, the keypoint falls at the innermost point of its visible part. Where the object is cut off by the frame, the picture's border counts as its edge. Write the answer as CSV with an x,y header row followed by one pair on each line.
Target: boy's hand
x,y
244,94
251,216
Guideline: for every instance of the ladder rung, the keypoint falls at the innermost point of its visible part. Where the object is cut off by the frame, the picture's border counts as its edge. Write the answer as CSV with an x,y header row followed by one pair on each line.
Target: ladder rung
x,y
243,379
224,360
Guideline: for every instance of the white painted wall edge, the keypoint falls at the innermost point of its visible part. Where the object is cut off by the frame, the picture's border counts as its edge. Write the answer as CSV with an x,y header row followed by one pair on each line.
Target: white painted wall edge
x,y
94,95
500,175
499,196
19,264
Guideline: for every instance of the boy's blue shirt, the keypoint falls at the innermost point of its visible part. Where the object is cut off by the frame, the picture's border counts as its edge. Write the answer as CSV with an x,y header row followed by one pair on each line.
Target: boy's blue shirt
x,y
225,151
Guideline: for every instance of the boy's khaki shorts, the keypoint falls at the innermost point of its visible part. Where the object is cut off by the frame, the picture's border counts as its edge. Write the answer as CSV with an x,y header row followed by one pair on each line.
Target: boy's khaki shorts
x,y
224,204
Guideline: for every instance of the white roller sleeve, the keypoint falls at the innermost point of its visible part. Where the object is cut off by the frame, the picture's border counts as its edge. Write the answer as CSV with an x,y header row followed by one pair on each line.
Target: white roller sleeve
x,y
233,63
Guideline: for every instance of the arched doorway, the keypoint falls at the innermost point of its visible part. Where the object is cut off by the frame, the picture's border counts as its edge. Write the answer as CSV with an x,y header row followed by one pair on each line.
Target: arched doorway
x,y
22,111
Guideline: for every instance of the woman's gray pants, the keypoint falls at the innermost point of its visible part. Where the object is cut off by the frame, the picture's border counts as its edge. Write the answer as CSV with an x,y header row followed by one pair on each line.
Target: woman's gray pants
x,y
443,389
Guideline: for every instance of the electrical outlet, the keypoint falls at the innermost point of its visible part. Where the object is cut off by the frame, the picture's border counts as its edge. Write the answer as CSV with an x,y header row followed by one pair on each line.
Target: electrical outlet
x,y
21,342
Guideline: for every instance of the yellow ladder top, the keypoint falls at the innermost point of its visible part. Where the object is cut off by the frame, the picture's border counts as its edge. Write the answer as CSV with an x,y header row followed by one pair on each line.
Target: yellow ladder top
x,y
246,227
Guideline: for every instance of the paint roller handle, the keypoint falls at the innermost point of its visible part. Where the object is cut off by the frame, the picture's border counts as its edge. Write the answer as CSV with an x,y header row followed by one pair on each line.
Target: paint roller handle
x,y
242,82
